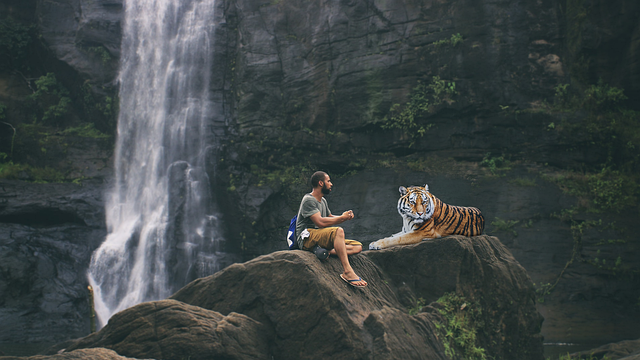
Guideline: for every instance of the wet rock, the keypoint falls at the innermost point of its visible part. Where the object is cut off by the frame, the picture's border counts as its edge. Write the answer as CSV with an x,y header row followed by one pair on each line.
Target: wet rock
x,y
82,354
84,34
170,329
623,350
47,235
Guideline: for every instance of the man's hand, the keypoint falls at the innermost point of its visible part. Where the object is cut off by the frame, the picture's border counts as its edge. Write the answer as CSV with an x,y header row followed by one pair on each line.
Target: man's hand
x,y
332,220
348,215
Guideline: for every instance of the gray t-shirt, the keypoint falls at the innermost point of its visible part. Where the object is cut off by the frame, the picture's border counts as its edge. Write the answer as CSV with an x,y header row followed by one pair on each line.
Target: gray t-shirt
x,y
308,207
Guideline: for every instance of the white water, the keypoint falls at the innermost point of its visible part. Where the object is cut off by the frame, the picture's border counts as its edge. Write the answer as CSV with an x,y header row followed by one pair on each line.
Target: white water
x,y
160,222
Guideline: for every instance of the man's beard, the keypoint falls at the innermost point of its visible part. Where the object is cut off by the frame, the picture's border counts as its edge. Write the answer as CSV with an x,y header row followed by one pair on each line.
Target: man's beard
x,y
325,190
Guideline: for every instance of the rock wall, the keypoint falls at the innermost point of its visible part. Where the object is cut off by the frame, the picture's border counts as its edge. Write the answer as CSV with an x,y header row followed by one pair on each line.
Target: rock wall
x,y
47,235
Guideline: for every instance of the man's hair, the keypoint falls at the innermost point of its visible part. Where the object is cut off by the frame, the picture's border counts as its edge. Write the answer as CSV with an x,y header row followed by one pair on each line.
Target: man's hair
x,y
317,177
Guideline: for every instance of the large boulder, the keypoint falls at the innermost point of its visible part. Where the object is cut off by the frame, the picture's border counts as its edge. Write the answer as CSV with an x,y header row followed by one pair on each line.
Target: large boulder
x,y
290,305
311,313
82,354
169,329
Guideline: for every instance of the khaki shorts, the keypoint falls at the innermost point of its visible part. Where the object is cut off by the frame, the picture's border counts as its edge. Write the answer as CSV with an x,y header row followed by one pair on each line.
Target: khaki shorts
x,y
324,238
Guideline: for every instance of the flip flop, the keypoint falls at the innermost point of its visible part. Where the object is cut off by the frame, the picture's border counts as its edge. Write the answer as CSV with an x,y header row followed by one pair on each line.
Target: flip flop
x,y
351,282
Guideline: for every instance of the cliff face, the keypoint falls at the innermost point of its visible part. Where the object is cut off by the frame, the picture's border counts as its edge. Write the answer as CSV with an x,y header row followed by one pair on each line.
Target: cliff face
x,y
47,235
83,34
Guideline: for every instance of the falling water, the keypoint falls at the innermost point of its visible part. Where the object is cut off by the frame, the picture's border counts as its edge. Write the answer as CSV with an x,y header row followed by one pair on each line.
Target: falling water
x,y
160,221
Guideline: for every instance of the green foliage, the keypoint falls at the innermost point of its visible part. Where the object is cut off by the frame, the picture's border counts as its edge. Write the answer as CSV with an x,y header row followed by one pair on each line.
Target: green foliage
x,y
497,165
454,40
9,170
543,290
505,225
417,307
87,130
15,39
102,52
423,100
597,98
52,99
458,331
603,97
562,95
524,182
607,190
289,176
99,106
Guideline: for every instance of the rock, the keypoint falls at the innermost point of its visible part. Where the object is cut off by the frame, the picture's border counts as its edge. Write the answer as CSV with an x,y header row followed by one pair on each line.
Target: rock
x,y
623,350
82,354
170,329
84,34
47,235
479,268
310,312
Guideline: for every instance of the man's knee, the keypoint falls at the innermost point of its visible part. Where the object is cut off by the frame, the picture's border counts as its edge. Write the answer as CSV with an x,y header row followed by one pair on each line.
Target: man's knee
x,y
340,232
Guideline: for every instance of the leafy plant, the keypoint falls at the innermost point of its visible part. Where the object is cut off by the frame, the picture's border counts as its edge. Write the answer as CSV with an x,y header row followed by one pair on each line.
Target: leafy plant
x,y
15,39
454,40
87,130
562,95
607,190
419,304
102,52
52,97
543,290
458,331
497,165
505,225
525,182
423,100
602,96
9,170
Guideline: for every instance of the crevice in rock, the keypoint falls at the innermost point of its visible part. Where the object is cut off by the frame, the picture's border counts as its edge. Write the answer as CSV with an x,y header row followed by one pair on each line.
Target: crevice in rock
x,y
46,217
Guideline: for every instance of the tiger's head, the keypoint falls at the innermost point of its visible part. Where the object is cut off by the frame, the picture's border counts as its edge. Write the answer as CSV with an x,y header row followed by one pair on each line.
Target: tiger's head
x,y
415,204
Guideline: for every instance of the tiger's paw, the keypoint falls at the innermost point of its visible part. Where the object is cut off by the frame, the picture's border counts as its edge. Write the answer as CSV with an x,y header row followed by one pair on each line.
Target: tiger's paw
x,y
376,245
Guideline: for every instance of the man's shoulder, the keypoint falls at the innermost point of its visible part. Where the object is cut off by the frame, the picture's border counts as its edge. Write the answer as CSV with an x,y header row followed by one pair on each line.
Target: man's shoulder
x,y
308,200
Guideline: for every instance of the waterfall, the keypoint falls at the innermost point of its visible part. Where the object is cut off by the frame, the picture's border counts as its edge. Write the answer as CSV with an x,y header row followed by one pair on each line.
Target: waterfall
x,y
160,219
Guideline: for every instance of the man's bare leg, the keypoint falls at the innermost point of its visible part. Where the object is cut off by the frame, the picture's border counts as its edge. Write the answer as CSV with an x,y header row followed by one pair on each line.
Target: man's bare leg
x,y
341,250
351,250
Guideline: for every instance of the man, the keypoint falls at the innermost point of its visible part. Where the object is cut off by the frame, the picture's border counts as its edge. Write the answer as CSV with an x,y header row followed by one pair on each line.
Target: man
x,y
316,226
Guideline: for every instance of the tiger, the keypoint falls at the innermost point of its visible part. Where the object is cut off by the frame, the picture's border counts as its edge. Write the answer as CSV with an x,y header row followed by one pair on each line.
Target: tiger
x,y
424,216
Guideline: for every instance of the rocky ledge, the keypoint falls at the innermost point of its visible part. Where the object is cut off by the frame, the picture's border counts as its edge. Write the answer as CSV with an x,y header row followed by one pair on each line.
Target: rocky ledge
x,y
290,305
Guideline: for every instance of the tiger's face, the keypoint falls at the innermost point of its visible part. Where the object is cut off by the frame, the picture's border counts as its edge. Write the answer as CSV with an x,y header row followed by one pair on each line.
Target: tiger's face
x,y
415,204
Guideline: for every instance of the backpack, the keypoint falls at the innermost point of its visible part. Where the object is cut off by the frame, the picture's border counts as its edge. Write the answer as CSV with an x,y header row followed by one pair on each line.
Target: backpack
x,y
291,235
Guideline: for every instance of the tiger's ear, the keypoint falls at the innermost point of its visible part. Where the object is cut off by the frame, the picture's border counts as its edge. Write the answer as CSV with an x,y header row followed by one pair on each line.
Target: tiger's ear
x,y
426,187
403,190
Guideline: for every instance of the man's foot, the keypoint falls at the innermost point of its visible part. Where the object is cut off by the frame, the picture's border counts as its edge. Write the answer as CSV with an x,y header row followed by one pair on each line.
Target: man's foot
x,y
353,280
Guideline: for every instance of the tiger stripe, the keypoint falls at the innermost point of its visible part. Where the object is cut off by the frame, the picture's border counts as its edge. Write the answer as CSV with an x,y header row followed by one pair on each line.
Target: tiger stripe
x,y
427,217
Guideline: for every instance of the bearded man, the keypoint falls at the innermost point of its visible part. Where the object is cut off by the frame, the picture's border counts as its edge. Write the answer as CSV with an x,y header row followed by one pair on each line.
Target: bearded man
x,y
316,227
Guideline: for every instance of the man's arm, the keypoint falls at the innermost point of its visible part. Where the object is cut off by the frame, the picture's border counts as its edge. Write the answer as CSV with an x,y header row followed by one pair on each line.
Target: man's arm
x,y
323,222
